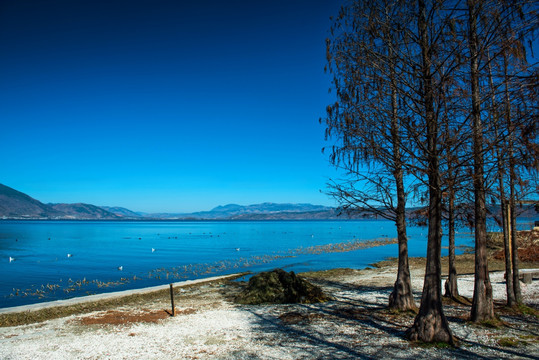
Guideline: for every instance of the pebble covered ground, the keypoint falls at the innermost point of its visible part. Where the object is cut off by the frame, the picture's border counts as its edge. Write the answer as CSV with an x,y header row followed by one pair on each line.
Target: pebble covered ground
x,y
208,325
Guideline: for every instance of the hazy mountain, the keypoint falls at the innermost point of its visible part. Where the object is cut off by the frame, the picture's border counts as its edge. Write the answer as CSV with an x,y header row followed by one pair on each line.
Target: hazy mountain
x,y
233,210
255,211
266,208
122,212
330,214
14,203
83,211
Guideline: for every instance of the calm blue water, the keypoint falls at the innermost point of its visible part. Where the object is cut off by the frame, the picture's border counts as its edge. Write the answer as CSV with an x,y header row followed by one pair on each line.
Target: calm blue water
x,y
43,271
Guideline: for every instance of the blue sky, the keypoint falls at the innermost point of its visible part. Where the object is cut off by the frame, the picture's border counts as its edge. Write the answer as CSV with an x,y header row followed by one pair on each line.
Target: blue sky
x,y
160,105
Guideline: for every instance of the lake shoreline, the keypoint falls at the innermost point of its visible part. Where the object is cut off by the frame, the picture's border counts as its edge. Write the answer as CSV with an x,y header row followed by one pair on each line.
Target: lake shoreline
x,y
100,302
465,264
114,295
56,260
53,261
208,324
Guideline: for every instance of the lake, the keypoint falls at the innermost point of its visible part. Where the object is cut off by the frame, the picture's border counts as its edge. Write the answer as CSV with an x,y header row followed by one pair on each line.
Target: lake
x,y
51,260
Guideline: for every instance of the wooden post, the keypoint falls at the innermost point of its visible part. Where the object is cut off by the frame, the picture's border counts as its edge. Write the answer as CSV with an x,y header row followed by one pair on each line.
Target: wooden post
x,y
172,300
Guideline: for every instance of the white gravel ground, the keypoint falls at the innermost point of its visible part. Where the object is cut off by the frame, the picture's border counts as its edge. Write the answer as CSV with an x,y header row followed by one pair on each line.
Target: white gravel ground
x,y
354,326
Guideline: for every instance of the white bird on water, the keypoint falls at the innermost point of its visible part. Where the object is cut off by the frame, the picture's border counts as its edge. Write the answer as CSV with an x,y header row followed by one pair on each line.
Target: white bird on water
x,y
120,268
69,255
153,250
237,249
11,259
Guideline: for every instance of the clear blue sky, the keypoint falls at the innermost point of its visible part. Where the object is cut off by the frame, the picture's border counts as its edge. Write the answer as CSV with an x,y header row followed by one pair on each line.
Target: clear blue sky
x,y
160,105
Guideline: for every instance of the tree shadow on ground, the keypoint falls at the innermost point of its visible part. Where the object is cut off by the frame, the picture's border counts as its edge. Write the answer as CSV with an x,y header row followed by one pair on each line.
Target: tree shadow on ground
x,y
351,327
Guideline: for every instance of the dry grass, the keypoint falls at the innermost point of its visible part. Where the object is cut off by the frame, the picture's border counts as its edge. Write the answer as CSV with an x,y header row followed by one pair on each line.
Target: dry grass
x,y
528,246
331,273
161,297
117,317
465,263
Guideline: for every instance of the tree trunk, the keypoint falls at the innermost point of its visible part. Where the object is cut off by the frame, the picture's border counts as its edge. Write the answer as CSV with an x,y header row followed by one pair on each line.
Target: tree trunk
x,y
430,324
482,304
514,243
402,297
512,193
511,301
451,287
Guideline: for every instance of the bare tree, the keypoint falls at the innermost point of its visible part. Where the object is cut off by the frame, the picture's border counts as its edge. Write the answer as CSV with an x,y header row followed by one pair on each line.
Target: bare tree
x,y
497,30
482,304
431,324
367,120
412,82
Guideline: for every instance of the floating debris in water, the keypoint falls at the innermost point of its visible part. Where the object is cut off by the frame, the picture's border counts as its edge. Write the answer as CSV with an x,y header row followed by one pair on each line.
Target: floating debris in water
x,y
345,246
190,271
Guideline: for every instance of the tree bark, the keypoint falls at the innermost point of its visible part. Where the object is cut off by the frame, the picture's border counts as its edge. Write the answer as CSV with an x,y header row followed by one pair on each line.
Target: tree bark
x,y
511,301
514,243
430,324
401,298
451,287
512,193
482,304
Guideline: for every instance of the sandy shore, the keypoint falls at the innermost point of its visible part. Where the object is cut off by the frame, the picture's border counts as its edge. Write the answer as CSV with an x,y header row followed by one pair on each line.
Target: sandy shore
x,y
208,325
111,295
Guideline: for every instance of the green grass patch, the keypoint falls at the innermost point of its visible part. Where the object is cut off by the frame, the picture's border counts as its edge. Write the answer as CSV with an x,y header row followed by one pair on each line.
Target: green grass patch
x,y
389,261
457,300
328,274
492,324
410,313
526,310
435,344
511,342
531,338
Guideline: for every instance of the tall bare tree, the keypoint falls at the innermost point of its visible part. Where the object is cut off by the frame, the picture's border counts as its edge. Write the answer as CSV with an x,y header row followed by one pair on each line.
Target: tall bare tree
x,y
363,56
482,304
497,30
431,324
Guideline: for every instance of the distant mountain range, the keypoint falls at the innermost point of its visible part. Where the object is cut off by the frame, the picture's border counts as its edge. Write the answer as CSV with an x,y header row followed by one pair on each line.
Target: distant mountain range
x,y
14,203
17,205
246,212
